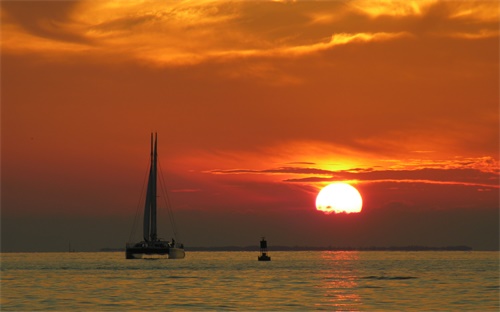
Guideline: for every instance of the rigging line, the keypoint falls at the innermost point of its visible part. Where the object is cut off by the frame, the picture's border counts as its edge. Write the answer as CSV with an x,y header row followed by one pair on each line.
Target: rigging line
x,y
168,203
141,198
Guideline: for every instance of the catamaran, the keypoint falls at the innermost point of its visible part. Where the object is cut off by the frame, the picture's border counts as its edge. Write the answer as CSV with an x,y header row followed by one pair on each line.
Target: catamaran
x,y
151,246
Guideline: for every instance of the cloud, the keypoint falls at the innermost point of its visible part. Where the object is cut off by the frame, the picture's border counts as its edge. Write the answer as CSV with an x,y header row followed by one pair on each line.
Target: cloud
x,y
480,34
481,172
292,170
398,8
336,40
485,11
43,19
242,40
185,32
487,184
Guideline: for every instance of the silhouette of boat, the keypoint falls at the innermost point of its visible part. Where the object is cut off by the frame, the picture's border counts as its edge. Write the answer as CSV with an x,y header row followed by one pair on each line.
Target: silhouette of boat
x,y
263,251
152,246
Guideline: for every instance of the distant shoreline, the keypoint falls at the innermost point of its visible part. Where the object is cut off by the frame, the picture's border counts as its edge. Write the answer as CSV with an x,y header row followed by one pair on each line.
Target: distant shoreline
x,y
287,248
309,248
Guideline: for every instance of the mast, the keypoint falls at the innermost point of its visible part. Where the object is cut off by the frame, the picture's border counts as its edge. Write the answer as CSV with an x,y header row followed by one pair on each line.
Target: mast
x,y
149,193
153,191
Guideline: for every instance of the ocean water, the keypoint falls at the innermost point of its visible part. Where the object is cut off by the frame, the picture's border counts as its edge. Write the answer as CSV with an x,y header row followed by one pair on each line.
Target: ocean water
x,y
218,281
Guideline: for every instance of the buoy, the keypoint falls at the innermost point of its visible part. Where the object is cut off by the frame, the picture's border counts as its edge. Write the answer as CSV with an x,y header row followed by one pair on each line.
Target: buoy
x,y
263,251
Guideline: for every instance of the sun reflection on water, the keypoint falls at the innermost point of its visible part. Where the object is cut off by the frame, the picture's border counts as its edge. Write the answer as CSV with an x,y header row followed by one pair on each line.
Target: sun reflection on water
x,y
339,280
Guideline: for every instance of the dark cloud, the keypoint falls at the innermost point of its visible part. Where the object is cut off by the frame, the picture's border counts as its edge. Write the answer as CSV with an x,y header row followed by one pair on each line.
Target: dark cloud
x,y
301,163
292,170
446,175
458,176
46,19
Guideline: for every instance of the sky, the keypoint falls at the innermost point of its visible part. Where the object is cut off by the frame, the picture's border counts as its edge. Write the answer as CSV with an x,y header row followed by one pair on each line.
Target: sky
x,y
257,106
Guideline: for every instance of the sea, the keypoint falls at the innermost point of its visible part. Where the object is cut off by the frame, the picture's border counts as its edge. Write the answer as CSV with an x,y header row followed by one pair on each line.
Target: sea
x,y
236,281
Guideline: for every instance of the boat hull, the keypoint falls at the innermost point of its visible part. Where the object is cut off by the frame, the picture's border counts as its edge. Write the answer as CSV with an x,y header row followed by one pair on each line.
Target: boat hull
x,y
154,252
176,253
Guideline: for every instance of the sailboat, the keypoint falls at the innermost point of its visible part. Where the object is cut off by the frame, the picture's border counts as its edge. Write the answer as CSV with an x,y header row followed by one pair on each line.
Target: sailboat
x,y
151,246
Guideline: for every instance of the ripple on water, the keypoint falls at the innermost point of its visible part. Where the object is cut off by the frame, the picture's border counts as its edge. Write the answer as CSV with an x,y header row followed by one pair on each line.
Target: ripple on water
x,y
237,281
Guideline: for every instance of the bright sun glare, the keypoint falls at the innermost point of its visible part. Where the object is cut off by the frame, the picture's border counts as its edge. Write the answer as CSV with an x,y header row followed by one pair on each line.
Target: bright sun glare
x,y
339,197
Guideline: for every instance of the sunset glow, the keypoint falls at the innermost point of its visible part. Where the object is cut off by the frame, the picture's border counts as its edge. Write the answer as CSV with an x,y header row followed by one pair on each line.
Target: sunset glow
x,y
257,105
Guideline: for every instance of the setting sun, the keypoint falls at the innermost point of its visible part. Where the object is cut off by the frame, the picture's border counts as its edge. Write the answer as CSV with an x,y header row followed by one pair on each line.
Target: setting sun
x,y
339,197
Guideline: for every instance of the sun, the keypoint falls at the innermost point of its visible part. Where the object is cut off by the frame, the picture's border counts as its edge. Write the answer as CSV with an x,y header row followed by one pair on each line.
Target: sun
x,y
339,197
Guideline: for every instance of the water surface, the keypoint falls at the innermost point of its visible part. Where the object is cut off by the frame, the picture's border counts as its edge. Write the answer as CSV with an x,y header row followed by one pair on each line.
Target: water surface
x,y
317,280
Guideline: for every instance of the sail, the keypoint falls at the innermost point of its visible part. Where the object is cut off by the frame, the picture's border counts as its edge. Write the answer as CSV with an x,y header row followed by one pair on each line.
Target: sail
x,y
149,227
153,191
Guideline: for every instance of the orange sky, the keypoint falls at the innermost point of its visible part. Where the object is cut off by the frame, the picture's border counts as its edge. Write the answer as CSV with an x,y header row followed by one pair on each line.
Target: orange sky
x,y
257,104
